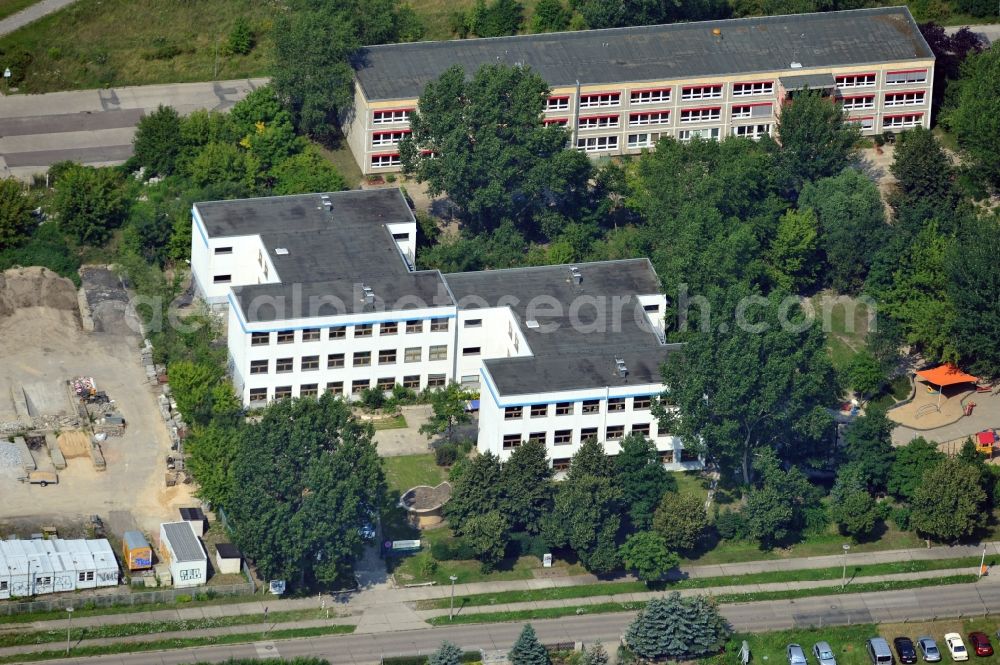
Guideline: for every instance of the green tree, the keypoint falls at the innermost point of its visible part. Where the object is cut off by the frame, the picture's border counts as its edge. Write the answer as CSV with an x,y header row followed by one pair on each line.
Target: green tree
x,y
675,628
447,411
527,489
487,536
642,479
586,518
777,509
815,141
853,508
16,221
447,654
211,451
681,520
528,650
240,40
477,492
550,16
973,288
924,173
497,19
647,554
865,374
305,173
909,466
220,164
305,478
947,505
591,460
595,655
976,108
793,252
90,203
867,445
157,141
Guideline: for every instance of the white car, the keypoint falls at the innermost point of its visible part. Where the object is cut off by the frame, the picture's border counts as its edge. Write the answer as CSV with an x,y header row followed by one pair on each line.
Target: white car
x,y
956,647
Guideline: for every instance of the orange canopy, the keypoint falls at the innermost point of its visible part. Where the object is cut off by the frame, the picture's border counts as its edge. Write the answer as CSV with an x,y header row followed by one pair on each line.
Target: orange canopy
x,y
946,375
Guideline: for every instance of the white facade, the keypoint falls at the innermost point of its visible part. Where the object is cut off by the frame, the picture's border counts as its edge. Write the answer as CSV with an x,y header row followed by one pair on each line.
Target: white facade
x,y
33,567
183,553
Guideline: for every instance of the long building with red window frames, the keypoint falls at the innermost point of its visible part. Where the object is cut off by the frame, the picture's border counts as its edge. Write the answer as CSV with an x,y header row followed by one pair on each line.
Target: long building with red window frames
x,y
618,91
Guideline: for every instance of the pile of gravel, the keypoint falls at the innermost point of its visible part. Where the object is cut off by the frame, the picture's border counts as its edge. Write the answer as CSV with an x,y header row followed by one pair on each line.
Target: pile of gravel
x,y
10,458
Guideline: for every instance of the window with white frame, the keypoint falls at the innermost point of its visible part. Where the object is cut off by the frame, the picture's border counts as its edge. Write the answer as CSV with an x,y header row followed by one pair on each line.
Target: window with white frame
x,y
539,410
858,102
391,117
310,334
649,118
562,122
388,328
599,121
641,403
914,98
855,80
713,91
599,99
708,134
907,77
385,160
645,140
560,103
902,121
337,332
654,96
752,131
597,143
382,139
387,357
753,88
616,404
707,114
363,329
744,111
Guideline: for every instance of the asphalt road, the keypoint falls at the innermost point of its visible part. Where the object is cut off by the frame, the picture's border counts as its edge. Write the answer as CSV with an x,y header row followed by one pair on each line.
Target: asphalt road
x,y
882,607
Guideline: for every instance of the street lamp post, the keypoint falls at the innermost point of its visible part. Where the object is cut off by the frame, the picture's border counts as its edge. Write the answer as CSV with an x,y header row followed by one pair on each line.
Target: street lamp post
x,y
451,611
69,624
843,579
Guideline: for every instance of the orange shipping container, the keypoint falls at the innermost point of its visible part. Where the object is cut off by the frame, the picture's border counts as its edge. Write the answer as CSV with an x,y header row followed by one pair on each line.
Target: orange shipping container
x,y
136,550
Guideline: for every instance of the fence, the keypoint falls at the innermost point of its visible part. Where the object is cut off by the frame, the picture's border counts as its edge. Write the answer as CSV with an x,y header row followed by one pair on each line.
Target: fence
x,y
126,599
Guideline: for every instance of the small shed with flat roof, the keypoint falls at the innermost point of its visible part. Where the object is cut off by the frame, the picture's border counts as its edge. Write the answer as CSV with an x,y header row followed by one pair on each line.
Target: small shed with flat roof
x,y
182,551
227,559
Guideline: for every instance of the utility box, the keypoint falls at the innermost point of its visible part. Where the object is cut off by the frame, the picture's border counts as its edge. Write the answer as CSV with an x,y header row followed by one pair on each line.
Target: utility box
x,y
181,550
228,559
137,551
195,516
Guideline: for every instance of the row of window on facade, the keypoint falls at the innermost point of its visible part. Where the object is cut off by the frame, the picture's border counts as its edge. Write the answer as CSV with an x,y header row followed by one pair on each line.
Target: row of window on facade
x,y
564,437
412,354
587,407
358,386
340,332
665,456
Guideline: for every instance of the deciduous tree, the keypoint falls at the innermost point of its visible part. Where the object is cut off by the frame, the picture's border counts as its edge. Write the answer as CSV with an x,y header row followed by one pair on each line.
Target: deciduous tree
x,y
909,466
947,505
476,492
681,520
157,141
792,257
815,140
448,410
527,488
868,446
973,288
305,173
586,518
647,554
90,203
591,460
977,106
211,451
642,479
853,507
16,221
487,536
550,16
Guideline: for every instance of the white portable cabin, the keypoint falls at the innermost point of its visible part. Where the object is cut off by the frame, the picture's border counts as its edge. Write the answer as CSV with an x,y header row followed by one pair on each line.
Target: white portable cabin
x,y
63,570
16,566
33,567
182,551
5,572
105,563
82,561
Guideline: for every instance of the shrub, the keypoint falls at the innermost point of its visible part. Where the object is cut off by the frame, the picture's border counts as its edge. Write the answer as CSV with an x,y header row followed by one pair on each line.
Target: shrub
x,y
451,550
184,598
901,518
240,41
445,454
731,525
391,177
373,398
525,544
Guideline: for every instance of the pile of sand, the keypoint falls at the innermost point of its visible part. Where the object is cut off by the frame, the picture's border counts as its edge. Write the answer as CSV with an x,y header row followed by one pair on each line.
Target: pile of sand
x,y
74,444
36,287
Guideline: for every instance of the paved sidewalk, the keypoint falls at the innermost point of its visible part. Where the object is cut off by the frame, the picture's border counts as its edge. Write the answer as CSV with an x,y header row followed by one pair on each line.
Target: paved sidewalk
x,y
31,14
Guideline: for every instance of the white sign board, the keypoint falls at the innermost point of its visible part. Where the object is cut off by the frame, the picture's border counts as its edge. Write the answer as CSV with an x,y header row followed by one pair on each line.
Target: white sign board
x,y
547,560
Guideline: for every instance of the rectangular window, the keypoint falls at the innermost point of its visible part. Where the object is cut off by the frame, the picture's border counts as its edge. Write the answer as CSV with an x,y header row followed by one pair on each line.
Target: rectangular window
x,y
855,102
666,457
642,429
388,328
282,392
597,143
473,323
286,336
906,77
258,366
649,118
561,463
645,140
310,334
387,357
258,395
338,332
386,383
391,117
752,131
560,103
641,403
284,365
914,98
392,138
904,120
654,96
588,433
358,386
752,111
385,160
223,250
689,456
335,361
260,339
600,121
309,390
754,88
707,114
598,99
412,381
539,410
362,359
564,408
511,441
614,433
513,412
439,325
412,354
414,327
435,380
335,387
537,437
707,134
562,122
591,406
616,404
713,91
562,437
438,352
866,123
855,80
363,330
87,576
471,351
222,279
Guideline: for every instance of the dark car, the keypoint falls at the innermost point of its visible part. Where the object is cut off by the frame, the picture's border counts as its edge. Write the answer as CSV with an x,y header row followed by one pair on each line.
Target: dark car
x,y
905,650
981,643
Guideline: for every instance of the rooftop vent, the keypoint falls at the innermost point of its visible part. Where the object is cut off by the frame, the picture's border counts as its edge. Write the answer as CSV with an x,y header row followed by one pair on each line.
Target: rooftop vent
x,y
717,32
327,203
531,323
368,294
796,65
575,275
620,368
281,251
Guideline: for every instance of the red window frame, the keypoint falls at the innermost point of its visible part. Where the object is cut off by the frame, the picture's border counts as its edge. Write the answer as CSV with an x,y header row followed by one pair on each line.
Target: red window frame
x,y
558,98
868,96
636,114
840,77
918,114
908,71
613,93
380,132
669,90
701,108
603,116
893,93
403,110
736,83
555,121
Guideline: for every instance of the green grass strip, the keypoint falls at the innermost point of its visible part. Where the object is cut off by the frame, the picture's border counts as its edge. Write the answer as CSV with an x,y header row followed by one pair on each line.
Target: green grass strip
x,y
604,608
178,643
30,617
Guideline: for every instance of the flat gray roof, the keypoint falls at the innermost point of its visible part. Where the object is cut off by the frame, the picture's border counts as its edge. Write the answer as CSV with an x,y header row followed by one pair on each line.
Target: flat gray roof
x,y
183,542
656,52
814,81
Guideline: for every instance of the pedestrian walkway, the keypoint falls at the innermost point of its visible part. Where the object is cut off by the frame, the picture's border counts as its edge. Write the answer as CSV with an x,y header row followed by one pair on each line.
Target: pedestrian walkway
x,y
31,14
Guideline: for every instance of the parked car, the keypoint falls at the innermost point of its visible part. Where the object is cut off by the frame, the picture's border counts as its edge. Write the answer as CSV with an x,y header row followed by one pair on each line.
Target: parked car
x,y
905,650
796,656
956,647
980,643
879,652
824,654
928,649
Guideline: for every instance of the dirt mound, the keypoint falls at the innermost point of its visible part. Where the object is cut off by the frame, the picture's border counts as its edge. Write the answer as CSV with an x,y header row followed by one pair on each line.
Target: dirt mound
x,y
35,287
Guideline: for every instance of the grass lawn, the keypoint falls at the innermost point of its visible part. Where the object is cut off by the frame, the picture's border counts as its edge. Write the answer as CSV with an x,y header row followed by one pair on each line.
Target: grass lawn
x,y
344,162
845,323
408,471
8,7
391,422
